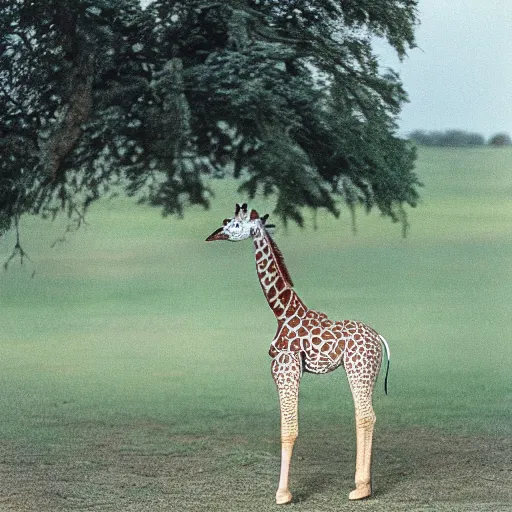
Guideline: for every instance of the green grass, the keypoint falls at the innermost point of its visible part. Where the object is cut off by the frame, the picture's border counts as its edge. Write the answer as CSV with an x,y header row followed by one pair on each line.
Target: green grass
x,y
135,320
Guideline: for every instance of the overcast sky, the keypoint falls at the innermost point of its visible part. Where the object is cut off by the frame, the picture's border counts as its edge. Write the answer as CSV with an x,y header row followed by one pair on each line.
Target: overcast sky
x,y
461,74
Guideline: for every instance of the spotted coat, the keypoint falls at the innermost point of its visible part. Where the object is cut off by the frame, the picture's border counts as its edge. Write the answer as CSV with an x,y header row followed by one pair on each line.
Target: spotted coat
x,y
322,344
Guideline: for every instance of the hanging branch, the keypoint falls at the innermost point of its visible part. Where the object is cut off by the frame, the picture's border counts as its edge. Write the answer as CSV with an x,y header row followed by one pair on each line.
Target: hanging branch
x,y
18,249
73,226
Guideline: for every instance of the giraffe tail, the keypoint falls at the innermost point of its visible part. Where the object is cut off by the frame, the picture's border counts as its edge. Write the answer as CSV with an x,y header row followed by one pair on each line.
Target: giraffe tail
x,y
388,354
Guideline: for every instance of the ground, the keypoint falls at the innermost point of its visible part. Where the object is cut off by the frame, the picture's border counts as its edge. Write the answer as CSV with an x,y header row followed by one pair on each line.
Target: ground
x,y
116,469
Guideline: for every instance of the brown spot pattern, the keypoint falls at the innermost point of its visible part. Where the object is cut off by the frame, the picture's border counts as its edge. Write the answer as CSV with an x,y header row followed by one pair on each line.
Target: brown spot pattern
x,y
325,345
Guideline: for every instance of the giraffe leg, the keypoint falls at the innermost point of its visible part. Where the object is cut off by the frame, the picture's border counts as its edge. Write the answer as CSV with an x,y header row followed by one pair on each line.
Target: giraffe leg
x,y
287,371
365,420
364,435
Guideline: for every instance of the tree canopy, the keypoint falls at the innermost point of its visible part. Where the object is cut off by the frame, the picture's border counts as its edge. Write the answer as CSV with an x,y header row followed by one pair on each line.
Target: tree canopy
x,y
285,95
500,139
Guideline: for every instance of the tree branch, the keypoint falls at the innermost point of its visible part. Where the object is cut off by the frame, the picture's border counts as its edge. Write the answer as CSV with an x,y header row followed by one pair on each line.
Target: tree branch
x,y
18,249
79,107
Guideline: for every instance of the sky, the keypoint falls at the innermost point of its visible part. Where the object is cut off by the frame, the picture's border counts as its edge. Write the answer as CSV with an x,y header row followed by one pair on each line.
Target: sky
x,y
460,76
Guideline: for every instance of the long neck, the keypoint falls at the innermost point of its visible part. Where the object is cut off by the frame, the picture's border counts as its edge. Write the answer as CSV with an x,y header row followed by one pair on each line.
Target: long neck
x,y
274,278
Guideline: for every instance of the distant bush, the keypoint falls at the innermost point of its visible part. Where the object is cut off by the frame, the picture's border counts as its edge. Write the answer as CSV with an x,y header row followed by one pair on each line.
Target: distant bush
x,y
500,139
454,138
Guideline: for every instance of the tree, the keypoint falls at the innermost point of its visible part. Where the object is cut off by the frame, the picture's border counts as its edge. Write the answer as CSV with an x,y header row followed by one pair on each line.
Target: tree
x,y
500,139
448,138
286,96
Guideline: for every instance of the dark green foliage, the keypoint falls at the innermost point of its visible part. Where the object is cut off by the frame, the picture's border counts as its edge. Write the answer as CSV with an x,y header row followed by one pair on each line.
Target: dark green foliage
x,y
101,95
448,138
500,139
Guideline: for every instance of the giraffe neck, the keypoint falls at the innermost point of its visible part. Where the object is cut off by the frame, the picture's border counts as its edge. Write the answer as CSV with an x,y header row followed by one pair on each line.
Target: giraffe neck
x,y
274,278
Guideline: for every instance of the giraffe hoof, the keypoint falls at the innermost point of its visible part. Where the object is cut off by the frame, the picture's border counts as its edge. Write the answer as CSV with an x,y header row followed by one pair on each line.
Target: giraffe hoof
x,y
360,492
283,496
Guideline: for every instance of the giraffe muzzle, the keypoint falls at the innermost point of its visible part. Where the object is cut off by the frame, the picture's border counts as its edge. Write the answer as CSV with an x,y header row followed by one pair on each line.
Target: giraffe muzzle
x,y
217,235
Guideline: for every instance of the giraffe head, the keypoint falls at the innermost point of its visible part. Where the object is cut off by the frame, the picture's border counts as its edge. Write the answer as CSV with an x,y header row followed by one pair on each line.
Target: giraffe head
x,y
240,227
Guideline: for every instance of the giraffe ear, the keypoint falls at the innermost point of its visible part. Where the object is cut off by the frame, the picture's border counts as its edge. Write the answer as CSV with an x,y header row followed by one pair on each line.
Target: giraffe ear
x,y
254,215
237,209
225,221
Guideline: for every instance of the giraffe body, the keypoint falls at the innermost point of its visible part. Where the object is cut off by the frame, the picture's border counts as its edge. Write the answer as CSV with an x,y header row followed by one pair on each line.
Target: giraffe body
x,y
325,345
307,341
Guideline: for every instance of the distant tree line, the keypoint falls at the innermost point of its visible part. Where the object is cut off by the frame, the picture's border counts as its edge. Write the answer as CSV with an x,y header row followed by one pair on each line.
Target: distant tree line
x,y
457,138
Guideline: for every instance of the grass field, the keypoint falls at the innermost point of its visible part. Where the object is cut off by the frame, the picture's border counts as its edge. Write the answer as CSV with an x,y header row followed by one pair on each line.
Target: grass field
x,y
134,372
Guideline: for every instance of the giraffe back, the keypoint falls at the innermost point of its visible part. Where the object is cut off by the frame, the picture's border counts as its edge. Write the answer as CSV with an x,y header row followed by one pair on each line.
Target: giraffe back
x,y
326,344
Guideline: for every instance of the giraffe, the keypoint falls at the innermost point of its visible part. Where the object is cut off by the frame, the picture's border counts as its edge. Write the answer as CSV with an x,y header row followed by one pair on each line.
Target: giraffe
x,y
307,341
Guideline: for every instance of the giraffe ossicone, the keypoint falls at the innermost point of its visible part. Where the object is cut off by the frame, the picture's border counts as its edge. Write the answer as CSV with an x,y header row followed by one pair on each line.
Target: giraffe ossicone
x,y
307,341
